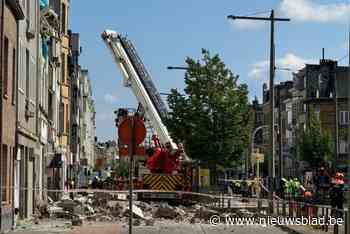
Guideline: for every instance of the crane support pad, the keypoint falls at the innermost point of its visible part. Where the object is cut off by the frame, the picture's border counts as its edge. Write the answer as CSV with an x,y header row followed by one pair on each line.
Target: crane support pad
x,y
163,182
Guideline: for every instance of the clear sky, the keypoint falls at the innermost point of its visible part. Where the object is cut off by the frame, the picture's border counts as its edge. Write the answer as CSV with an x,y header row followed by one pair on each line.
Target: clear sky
x,y
166,32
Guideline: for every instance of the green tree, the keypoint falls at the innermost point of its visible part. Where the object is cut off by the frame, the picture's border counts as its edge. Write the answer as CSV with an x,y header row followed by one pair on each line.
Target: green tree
x,y
212,119
122,168
315,143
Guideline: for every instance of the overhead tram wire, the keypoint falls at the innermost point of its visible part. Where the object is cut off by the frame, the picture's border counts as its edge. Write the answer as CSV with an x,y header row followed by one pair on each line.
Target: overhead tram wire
x,y
258,13
342,58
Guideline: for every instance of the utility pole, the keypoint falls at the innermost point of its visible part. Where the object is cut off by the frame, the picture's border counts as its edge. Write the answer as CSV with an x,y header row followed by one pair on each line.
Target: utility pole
x,y
280,138
271,159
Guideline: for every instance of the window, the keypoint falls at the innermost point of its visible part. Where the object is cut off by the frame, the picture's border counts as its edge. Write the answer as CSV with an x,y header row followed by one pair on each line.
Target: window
x,y
27,73
6,66
14,66
289,117
68,76
63,68
50,106
4,175
259,117
61,118
64,18
67,119
344,117
343,147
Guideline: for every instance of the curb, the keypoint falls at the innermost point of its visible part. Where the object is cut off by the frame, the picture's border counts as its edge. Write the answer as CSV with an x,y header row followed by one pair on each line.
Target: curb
x,y
290,230
295,231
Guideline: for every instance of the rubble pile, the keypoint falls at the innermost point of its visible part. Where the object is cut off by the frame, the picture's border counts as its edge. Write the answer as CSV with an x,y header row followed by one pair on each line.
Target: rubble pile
x,y
105,207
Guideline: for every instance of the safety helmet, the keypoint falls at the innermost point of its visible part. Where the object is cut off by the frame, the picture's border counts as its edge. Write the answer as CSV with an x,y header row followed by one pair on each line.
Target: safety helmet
x,y
339,176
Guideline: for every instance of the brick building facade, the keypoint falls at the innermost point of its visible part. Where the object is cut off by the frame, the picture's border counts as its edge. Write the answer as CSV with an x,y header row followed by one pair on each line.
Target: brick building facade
x,y
11,13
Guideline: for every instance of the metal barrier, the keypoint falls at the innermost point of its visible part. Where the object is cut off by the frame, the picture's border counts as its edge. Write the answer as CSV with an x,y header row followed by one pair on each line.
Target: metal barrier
x,y
291,208
288,209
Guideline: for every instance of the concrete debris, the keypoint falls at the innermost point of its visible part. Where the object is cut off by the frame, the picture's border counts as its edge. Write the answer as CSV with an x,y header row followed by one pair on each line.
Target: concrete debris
x,y
49,199
149,222
88,209
42,210
205,213
105,218
136,222
194,220
45,226
245,213
54,210
81,200
112,204
91,218
145,207
165,211
136,211
77,221
67,204
180,212
99,207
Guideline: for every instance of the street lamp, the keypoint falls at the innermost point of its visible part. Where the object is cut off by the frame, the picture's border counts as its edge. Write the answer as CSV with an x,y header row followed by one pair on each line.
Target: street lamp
x,y
256,131
177,68
286,69
257,161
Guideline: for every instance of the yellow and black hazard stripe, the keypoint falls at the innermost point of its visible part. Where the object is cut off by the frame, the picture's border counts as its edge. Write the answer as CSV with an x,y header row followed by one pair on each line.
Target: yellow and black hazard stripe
x,y
163,182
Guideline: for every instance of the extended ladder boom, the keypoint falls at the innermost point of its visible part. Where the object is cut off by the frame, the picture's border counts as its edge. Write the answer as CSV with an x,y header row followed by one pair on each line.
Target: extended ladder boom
x,y
136,76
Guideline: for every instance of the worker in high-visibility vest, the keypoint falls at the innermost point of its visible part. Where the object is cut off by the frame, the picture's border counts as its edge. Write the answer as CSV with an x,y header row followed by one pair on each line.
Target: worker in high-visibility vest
x,y
295,186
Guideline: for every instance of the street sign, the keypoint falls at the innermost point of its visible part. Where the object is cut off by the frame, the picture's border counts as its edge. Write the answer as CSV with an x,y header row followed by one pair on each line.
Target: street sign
x,y
124,131
257,157
122,196
132,132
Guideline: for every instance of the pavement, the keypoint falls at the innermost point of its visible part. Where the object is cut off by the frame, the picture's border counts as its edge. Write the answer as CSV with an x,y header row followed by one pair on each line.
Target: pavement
x,y
310,230
97,229
206,229
167,227
60,227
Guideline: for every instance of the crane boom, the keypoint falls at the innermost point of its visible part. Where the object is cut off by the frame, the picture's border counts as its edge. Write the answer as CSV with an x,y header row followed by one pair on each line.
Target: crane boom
x,y
138,79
